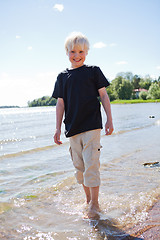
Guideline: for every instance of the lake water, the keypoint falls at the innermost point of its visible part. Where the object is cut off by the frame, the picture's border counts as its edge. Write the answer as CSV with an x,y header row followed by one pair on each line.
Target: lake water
x,y
39,197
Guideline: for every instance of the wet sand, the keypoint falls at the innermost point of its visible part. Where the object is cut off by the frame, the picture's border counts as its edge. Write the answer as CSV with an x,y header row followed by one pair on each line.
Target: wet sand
x,y
150,229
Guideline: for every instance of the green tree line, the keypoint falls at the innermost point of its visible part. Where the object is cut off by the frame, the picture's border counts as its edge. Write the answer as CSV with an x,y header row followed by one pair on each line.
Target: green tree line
x,y
121,88
44,101
124,85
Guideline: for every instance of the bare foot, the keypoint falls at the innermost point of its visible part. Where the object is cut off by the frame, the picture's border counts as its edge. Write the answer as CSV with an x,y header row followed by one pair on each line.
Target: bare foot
x,y
93,212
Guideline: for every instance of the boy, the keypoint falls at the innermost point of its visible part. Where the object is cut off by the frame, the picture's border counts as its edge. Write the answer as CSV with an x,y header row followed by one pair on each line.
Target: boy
x,y
76,91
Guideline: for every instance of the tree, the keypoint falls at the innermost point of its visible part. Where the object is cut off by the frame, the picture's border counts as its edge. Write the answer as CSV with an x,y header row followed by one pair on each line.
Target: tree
x,y
122,88
44,101
125,75
145,84
157,81
111,93
154,91
125,89
143,95
135,81
115,85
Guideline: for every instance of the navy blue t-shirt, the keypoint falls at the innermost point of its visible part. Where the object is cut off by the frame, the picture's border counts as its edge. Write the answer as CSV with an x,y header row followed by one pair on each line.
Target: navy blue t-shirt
x,y
79,89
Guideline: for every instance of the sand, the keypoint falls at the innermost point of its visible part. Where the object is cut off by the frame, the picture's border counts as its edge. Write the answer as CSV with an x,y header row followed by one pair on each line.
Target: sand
x,y
150,229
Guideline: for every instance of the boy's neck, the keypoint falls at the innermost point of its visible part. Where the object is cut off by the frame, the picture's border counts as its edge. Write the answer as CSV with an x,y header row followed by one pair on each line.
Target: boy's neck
x,y
76,67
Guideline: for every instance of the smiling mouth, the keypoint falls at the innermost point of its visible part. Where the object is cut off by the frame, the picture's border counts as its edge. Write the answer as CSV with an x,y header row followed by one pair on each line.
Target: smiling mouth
x,y
77,60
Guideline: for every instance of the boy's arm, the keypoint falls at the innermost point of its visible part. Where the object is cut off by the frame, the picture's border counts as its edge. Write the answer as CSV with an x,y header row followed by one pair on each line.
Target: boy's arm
x,y
107,108
59,117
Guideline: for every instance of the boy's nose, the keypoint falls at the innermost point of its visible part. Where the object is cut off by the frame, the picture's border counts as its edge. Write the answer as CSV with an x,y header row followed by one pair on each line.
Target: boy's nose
x,y
76,54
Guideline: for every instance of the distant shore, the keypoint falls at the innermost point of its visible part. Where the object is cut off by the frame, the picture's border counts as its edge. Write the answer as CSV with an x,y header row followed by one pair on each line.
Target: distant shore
x,y
133,101
9,107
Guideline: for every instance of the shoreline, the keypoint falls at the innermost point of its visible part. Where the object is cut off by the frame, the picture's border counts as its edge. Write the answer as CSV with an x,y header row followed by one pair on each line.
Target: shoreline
x,y
150,228
135,101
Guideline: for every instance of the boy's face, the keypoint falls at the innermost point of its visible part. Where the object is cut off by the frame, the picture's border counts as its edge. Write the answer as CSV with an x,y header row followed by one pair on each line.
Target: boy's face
x,y
77,56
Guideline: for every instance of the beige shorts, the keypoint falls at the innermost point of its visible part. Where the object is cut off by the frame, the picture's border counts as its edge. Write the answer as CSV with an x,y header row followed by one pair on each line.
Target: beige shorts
x,y
85,152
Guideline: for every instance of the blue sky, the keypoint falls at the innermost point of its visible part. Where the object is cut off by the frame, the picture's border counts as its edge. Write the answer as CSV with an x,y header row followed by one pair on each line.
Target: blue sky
x,y
124,36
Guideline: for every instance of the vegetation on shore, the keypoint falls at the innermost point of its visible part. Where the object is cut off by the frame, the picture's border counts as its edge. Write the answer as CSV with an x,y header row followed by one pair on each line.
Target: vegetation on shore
x,y
44,101
9,107
127,86
133,101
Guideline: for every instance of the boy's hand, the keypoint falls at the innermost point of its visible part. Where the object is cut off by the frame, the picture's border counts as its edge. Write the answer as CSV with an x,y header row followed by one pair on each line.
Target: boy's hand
x,y
57,137
108,128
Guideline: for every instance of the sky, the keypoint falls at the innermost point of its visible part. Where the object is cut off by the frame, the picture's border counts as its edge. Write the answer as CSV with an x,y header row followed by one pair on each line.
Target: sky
x,y
124,36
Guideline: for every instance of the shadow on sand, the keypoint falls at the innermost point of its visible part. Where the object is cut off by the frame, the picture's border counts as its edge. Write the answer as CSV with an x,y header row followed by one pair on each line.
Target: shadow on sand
x,y
107,230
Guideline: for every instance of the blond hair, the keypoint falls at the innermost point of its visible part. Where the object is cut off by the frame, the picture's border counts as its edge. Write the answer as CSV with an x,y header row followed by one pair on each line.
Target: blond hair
x,y
78,39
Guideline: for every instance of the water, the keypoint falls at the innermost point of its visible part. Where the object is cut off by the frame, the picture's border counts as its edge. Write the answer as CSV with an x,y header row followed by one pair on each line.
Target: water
x,y
39,197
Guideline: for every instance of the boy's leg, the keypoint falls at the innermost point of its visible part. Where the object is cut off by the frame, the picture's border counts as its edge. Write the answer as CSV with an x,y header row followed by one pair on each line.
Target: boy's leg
x,y
94,205
94,196
93,149
91,154
88,193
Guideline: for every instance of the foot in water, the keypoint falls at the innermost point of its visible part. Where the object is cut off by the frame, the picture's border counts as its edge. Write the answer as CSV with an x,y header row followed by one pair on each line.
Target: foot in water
x,y
93,212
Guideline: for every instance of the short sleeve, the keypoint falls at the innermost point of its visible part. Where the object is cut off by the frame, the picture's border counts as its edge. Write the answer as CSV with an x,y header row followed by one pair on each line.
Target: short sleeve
x,y
101,80
58,88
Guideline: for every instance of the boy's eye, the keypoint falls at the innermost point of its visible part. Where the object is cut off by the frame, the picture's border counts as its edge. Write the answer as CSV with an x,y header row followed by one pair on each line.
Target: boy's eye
x,y
73,51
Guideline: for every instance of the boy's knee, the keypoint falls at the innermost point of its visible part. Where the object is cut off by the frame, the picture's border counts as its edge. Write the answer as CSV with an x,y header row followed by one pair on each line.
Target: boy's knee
x,y
92,178
79,177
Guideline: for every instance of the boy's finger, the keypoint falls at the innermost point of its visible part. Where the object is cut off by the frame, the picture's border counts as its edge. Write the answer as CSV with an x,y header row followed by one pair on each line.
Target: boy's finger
x,y
109,131
57,140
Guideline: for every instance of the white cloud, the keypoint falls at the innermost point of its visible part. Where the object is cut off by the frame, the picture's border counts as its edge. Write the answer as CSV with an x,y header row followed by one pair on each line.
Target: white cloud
x,y
158,67
29,48
59,7
17,37
121,63
99,45
102,45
